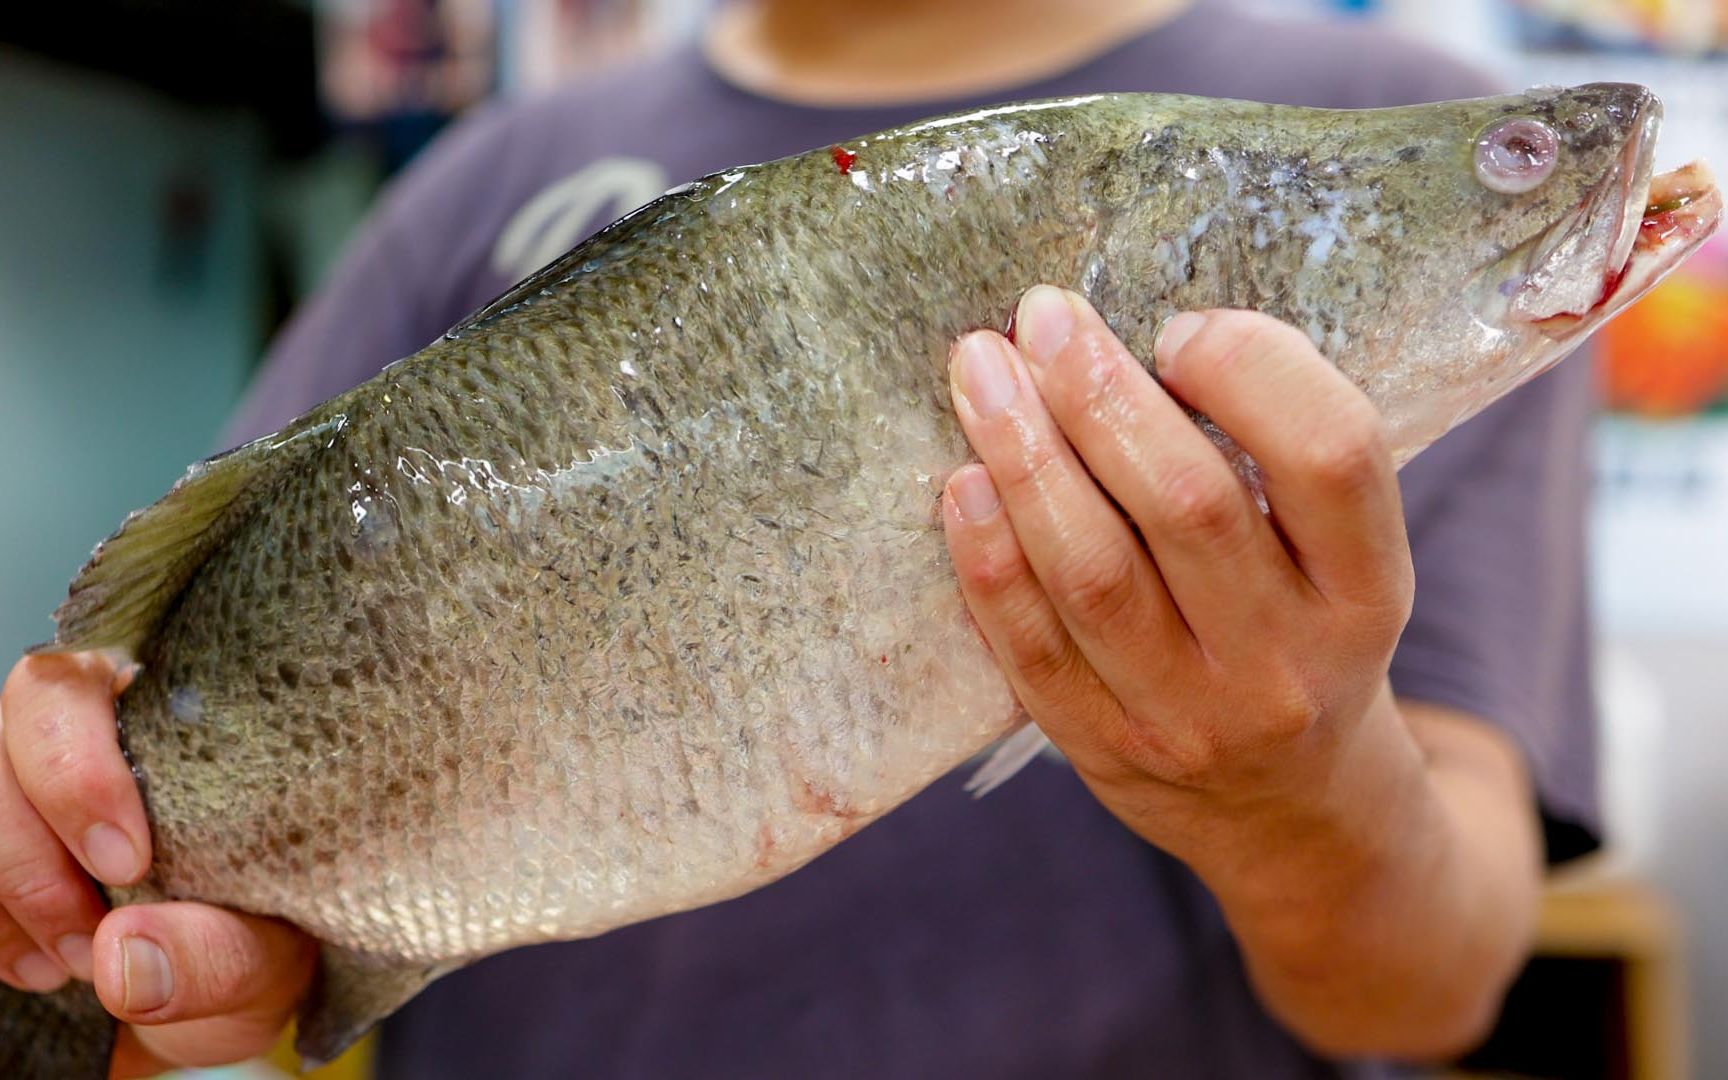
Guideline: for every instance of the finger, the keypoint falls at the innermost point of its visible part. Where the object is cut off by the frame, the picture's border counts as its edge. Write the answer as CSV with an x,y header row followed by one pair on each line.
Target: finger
x,y
1225,568
1321,444
24,966
61,737
50,904
1088,561
202,985
1051,678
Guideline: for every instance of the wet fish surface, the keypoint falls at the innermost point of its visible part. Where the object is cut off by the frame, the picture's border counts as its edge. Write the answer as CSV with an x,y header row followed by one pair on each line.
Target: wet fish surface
x,y
629,594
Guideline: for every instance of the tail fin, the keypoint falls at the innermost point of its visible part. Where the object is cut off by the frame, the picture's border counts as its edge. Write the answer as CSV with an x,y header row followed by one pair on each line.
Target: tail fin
x,y
66,1035
135,576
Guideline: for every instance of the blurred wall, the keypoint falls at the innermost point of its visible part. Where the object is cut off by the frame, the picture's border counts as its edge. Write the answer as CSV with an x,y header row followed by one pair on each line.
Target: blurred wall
x,y
130,293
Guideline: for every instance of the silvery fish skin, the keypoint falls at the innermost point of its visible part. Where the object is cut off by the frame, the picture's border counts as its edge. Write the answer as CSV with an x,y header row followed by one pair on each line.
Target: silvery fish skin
x,y
629,594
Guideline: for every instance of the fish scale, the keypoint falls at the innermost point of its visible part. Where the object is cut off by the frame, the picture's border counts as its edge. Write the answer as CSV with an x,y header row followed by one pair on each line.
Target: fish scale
x,y
629,594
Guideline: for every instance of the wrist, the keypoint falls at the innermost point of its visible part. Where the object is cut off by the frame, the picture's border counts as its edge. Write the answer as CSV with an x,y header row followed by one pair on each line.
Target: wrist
x,y
1317,831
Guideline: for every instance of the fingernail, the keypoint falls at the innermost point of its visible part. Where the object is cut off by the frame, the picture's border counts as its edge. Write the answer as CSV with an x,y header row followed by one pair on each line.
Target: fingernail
x,y
38,972
974,494
124,673
74,950
111,856
1174,334
149,982
1044,322
986,380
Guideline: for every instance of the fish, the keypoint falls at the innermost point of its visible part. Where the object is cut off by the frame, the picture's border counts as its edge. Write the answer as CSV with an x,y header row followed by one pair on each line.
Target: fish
x,y
628,594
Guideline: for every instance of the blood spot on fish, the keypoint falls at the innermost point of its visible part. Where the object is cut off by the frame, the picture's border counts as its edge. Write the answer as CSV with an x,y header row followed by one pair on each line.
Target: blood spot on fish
x,y
765,847
1656,228
843,159
813,800
884,658
1610,282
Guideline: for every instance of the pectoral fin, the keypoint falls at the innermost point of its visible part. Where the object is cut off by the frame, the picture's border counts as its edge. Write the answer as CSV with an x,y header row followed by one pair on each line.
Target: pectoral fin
x,y
1006,758
351,993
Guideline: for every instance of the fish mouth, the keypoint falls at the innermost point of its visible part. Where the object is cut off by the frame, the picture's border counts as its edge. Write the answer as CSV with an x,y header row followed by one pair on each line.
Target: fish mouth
x,y
1626,236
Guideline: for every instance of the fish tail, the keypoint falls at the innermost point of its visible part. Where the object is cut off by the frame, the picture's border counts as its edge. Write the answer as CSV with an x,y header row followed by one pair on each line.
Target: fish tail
x,y
134,577
66,1035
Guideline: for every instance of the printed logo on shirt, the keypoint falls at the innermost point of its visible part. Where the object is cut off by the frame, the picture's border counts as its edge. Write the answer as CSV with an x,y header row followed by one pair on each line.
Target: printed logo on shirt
x,y
567,210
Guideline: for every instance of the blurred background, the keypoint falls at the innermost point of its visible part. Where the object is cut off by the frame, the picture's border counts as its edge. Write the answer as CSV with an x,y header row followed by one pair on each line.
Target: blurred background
x,y
164,205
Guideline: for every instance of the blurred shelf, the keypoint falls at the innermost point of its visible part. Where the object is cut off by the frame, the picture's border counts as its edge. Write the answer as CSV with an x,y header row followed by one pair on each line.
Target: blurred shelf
x,y
1603,997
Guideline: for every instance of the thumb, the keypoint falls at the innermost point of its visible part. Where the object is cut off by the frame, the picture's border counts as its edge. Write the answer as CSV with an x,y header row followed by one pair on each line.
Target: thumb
x,y
198,985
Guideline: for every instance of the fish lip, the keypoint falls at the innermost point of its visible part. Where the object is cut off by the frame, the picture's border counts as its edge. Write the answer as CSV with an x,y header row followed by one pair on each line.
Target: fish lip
x,y
1638,164
1687,211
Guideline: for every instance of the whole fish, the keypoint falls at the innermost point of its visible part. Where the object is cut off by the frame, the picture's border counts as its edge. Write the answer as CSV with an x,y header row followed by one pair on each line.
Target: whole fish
x,y
628,595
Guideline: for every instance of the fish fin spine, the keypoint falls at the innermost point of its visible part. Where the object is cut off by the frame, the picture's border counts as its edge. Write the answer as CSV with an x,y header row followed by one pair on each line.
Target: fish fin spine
x,y
1007,758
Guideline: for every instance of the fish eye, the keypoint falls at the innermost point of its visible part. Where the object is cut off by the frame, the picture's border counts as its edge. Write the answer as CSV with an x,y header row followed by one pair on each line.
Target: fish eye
x,y
1516,155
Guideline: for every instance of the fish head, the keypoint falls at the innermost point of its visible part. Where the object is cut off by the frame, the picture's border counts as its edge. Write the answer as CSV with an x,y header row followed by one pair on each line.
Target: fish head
x,y
1525,222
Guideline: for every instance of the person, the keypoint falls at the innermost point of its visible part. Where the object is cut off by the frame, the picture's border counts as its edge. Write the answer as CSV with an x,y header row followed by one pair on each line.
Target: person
x,y
1301,824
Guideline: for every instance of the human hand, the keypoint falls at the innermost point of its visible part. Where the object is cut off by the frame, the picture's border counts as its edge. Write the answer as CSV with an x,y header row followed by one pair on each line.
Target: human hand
x,y
194,984
1193,656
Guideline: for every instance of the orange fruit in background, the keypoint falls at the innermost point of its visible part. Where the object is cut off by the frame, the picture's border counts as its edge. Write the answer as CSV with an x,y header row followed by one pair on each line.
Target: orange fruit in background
x,y
1667,355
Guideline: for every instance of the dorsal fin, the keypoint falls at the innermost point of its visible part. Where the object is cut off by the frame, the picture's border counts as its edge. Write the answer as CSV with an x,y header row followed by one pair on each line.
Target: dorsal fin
x,y
134,576
604,248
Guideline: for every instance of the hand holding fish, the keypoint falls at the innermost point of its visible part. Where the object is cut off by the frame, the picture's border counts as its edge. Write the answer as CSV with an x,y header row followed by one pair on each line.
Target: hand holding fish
x,y
1218,674
196,984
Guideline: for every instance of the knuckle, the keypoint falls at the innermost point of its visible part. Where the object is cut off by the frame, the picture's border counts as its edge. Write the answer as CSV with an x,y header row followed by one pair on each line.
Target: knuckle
x,y
223,968
1296,711
67,781
1026,480
1385,624
1199,501
1380,609
995,571
1403,599
1392,608
39,727
1183,757
1106,386
1044,658
1098,590
36,891
1352,452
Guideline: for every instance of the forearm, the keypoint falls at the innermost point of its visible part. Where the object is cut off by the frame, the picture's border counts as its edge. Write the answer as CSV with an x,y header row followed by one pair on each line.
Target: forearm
x,y
1386,914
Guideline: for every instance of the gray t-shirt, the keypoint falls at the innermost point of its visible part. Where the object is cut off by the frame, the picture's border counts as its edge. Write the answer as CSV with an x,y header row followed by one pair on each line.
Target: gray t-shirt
x,y
1027,934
